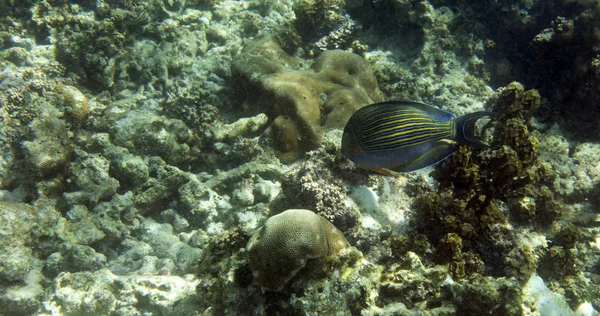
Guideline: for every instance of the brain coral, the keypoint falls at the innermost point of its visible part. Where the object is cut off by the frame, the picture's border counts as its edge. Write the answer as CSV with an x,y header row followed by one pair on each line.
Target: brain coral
x,y
279,249
302,102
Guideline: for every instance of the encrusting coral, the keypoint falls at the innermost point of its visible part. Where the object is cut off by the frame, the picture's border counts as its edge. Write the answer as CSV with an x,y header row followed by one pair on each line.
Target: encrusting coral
x,y
301,103
283,246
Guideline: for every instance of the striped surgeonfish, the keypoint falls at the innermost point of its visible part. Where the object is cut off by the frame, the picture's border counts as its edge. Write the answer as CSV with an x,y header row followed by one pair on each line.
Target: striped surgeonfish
x,y
405,136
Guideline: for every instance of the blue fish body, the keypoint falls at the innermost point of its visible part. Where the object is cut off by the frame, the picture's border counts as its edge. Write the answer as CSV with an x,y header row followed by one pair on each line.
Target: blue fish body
x,y
406,136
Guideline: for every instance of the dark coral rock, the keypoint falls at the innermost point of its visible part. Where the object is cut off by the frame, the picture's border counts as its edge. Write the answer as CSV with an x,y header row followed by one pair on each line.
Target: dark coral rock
x,y
552,46
316,18
483,193
412,283
496,296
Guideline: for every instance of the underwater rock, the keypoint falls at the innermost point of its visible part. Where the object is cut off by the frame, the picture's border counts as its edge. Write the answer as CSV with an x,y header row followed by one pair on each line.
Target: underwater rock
x,y
431,56
89,180
32,122
302,102
20,227
75,104
160,189
132,255
498,295
179,223
283,246
24,298
353,285
223,254
233,176
314,18
26,234
409,281
202,204
103,293
165,244
588,171
47,153
130,170
83,232
149,134
15,261
77,29
47,150
45,156
241,127
243,194
74,258
325,23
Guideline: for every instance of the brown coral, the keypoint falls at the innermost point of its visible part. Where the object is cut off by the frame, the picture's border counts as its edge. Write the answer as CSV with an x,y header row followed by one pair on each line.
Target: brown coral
x,y
279,249
301,103
483,193
74,102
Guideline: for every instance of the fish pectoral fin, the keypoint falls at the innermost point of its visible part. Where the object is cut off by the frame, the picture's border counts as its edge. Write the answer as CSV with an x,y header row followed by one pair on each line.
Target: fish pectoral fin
x,y
439,152
449,142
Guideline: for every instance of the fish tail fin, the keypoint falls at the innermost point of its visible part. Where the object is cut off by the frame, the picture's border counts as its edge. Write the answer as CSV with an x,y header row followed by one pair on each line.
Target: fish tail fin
x,y
465,129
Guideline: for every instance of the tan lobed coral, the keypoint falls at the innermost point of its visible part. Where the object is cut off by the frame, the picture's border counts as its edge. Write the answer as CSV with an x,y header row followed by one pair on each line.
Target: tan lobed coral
x,y
302,102
283,246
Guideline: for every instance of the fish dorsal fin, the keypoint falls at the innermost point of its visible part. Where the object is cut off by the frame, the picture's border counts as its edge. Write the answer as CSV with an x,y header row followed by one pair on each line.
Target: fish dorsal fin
x,y
433,110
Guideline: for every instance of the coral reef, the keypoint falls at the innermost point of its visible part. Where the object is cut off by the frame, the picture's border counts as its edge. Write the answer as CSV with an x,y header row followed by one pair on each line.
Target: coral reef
x,y
302,103
316,184
26,237
426,52
324,24
550,46
141,146
476,196
468,221
279,249
315,18
102,292
154,135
